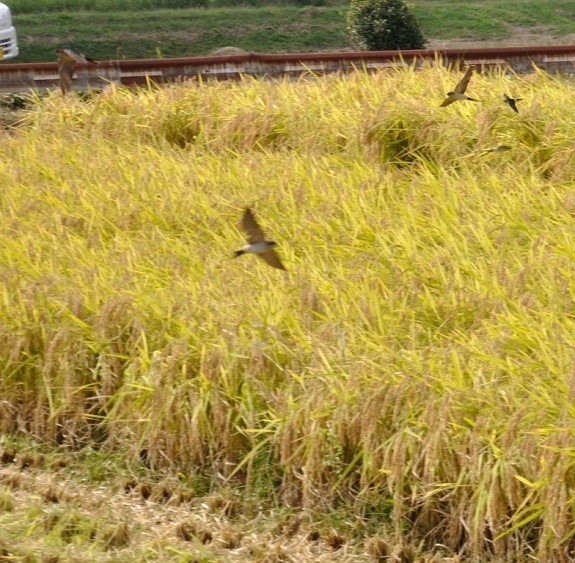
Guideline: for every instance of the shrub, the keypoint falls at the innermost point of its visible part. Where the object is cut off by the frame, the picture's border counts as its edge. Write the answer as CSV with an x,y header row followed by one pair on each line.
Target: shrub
x,y
376,25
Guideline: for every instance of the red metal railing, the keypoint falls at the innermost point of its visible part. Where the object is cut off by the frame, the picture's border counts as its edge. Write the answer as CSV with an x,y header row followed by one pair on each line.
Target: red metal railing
x,y
17,77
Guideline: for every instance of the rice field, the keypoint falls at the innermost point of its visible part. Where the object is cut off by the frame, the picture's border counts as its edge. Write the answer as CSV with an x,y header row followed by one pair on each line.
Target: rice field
x,y
408,382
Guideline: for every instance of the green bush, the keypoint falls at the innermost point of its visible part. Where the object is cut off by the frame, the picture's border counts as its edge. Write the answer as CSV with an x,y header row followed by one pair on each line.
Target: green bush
x,y
377,25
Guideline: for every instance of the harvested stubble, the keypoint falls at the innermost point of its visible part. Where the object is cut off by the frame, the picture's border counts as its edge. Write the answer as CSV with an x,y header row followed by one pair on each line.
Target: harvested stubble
x,y
415,363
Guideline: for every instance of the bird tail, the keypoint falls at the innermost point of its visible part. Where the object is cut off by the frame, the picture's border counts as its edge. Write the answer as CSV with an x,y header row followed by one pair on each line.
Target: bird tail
x,y
238,253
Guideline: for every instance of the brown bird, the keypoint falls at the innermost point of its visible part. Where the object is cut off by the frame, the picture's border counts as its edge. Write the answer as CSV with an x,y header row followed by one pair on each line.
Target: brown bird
x,y
257,243
511,102
67,61
499,148
459,92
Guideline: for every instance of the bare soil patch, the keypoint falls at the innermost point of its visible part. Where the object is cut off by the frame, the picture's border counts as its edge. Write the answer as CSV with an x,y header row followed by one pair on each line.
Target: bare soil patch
x,y
519,37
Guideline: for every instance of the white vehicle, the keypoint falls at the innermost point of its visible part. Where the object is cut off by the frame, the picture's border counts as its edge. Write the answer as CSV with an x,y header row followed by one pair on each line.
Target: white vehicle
x,y
8,42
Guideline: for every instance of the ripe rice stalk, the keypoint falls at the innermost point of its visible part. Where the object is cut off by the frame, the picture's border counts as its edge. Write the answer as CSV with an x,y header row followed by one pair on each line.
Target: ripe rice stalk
x,y
417,350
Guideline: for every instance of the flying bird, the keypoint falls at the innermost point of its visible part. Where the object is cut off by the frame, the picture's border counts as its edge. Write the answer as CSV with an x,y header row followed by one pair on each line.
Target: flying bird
x,y
499,148
511,102
459,92
67,61
257,243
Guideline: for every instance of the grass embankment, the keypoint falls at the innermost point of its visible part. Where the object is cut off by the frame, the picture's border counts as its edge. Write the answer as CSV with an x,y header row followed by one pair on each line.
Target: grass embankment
x,y
413,371
181,33
105,30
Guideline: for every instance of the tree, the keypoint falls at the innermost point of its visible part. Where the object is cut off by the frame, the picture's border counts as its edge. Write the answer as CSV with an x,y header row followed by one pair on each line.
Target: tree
x,y
379,25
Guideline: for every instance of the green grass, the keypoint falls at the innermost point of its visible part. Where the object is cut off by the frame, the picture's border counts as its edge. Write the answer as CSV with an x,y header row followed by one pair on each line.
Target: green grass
x,y
413,369
108,31
31,6
171,33
492,18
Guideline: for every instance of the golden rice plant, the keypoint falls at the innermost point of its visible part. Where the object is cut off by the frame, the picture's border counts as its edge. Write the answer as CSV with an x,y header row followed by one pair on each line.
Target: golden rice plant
x,y
414,364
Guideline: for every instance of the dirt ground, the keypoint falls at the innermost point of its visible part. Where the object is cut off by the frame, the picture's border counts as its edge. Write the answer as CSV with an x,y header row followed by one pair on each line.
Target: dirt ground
x,y
519,37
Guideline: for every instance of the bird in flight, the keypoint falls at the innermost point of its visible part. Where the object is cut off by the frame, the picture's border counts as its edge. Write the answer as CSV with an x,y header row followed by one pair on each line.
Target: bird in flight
x,y
511,102
67,61
499,148
459,92
257,243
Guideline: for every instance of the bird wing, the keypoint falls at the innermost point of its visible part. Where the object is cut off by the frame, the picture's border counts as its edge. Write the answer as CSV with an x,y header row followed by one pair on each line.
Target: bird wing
x,y
462,85
70,56
447,101
511,102
251,228
272,259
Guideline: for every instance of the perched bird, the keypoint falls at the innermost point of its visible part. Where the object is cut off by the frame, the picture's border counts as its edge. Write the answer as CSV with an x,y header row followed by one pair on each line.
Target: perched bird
x,y
511,102
257,243
459,92
67,61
